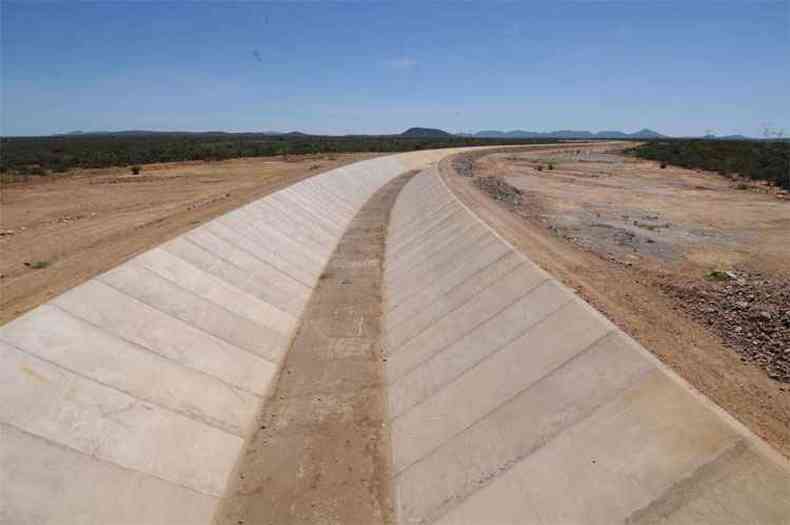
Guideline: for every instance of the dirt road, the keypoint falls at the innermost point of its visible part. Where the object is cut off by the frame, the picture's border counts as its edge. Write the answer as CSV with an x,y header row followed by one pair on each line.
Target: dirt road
x,y
639,242
58,231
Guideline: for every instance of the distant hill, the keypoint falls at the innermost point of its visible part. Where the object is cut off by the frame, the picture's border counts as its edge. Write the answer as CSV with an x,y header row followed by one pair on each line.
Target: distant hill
x,y
425,132
646,134
568,134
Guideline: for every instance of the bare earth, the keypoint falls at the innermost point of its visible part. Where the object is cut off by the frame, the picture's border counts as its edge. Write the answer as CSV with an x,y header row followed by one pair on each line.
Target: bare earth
x,y
59,231
637,242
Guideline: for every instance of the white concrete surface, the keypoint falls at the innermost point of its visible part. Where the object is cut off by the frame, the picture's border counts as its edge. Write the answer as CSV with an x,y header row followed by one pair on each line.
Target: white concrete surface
x,y
126,400
513,402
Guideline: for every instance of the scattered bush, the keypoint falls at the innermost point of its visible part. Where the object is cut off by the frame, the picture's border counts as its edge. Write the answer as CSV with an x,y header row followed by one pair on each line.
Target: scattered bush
x,y
551,166
31,170
720,275
38,265
136,170
663,165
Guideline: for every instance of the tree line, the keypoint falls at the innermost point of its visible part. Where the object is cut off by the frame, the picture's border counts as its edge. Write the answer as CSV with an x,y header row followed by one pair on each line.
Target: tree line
x,y
42,155
767,160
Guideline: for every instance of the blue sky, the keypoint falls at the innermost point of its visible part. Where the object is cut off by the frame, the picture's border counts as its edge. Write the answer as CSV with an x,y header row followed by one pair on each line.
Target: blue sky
x,y
362,67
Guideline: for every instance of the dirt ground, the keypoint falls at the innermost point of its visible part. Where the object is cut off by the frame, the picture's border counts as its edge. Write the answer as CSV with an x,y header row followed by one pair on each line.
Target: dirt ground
x,y
694,268
639,213
321,452
60,230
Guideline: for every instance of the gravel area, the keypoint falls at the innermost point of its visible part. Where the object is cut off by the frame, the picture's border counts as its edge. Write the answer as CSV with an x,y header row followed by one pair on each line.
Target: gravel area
x,y
750,311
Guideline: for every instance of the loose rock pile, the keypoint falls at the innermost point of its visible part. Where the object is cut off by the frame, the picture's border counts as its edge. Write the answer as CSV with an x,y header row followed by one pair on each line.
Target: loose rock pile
x,y
464,165
749,311
500,190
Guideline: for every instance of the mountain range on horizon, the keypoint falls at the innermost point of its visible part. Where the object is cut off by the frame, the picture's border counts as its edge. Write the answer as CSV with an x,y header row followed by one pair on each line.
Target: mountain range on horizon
x,y
642,134
569,134
425,132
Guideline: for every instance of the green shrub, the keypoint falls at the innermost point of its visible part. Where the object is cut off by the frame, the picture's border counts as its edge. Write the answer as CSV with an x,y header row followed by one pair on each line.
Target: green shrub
x,y
38,265
136,170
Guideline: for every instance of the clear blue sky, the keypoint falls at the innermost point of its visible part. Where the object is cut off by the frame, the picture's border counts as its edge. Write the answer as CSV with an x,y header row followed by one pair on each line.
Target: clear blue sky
x,y
680,68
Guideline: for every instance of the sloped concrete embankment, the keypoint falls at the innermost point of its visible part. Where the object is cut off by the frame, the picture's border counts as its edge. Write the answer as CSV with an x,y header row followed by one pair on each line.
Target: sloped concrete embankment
x,y
513,401
127,399
320,449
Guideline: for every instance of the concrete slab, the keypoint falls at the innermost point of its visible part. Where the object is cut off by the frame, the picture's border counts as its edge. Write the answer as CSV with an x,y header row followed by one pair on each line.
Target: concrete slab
x,y
284,263
307,223
487,338
491,382
614,463
739,487
71,343
308,204
62,407
232,298
171,338
43,483
458,323
517,428
428,271
266,246
465,280
289,225
241,269
450,217
424,224
475,270
151,289
406,219
398,333
262,282
279,227
432,244
414,279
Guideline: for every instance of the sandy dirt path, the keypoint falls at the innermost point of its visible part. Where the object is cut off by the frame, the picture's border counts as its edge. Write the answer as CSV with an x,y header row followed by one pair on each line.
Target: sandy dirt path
x,y
321,451
59,231
632,297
